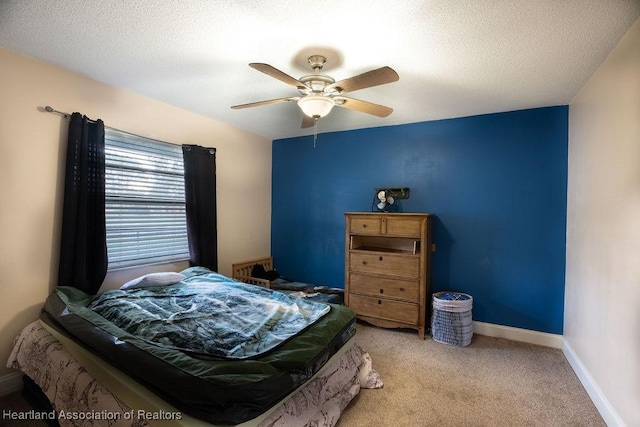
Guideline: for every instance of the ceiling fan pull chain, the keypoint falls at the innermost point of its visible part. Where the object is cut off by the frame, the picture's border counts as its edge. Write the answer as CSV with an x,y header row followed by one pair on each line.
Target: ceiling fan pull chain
x,y
315,131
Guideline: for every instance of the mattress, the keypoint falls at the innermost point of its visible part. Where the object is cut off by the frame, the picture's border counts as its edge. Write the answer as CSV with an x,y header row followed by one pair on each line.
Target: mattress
x,y
86,390
214,389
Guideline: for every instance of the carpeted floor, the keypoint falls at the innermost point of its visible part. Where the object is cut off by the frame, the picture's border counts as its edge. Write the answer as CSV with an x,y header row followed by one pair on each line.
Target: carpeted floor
x,y
492,382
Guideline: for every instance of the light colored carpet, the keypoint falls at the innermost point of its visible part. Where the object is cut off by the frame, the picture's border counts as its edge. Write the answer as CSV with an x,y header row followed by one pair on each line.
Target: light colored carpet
x,y
491,382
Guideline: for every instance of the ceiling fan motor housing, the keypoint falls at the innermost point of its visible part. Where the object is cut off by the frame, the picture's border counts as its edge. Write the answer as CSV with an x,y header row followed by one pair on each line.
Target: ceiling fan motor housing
x,y
316,82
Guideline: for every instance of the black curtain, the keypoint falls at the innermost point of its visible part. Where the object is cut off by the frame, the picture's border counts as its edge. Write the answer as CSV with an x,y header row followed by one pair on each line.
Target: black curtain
x,y
200,196
83,244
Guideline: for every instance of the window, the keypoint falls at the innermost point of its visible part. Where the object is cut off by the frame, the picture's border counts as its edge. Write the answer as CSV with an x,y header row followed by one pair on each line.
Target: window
x,y
145,203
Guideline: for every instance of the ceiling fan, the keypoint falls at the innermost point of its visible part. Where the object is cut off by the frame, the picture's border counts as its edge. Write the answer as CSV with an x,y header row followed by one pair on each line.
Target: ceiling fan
x,y
320,93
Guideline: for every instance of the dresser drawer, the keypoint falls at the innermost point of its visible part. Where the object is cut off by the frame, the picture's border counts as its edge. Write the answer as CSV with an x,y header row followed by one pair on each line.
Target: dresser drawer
x,y
365,225
403,227
385,309
383,263
380,286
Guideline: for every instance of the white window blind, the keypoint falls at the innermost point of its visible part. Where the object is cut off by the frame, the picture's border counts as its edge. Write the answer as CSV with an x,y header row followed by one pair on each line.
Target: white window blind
x,y
145,203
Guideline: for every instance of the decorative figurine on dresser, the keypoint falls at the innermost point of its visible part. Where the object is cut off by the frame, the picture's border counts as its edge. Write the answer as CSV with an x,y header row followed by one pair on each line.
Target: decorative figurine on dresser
x,y
387,268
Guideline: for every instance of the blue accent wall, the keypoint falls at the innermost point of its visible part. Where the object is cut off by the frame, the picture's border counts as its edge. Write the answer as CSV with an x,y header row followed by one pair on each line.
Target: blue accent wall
x,y
496,184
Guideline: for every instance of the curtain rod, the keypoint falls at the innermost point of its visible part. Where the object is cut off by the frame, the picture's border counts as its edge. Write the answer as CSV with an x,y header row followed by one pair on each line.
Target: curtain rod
x,y
62,113
51,110
67,115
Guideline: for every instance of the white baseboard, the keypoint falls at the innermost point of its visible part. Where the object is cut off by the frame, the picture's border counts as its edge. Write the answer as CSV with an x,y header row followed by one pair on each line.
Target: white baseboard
x,y
10,383
518,334
603,405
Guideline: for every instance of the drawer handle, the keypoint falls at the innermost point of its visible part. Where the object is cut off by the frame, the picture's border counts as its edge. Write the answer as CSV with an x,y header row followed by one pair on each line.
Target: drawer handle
x,y
382,291
402,289
364,225
379,258
379,302
364,262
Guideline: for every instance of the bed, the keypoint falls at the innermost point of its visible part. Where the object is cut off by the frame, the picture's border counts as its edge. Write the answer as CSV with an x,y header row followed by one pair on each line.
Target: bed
x,y
246,272
87,364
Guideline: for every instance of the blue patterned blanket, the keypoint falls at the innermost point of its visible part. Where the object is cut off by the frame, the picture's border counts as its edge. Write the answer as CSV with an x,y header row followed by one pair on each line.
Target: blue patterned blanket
x,y
209,315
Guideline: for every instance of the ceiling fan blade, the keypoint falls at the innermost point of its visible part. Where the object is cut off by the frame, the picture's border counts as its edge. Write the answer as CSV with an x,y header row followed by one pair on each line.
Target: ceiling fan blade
x,y
277,74
307,121
269,101
363,106
371,78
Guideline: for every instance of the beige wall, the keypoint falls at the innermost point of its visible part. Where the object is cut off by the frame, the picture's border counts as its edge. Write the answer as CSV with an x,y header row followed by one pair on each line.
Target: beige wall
x,y
31,181
602,300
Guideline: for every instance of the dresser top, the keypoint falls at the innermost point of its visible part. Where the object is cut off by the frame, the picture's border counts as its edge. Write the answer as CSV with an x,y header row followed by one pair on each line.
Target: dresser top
x,y
389,213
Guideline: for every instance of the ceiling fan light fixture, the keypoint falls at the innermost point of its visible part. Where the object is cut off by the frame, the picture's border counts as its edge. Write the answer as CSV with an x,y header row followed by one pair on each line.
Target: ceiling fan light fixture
x,y
316,106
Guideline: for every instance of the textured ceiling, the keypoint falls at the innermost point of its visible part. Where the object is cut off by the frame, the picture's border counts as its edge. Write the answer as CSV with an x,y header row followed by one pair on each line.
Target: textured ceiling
x,y
454,58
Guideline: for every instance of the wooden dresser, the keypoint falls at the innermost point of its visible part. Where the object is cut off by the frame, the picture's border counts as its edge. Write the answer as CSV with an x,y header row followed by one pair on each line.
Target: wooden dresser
x,y
387,268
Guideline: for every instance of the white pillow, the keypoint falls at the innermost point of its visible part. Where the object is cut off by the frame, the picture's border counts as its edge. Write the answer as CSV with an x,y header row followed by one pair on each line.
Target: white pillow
x,y
154,279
